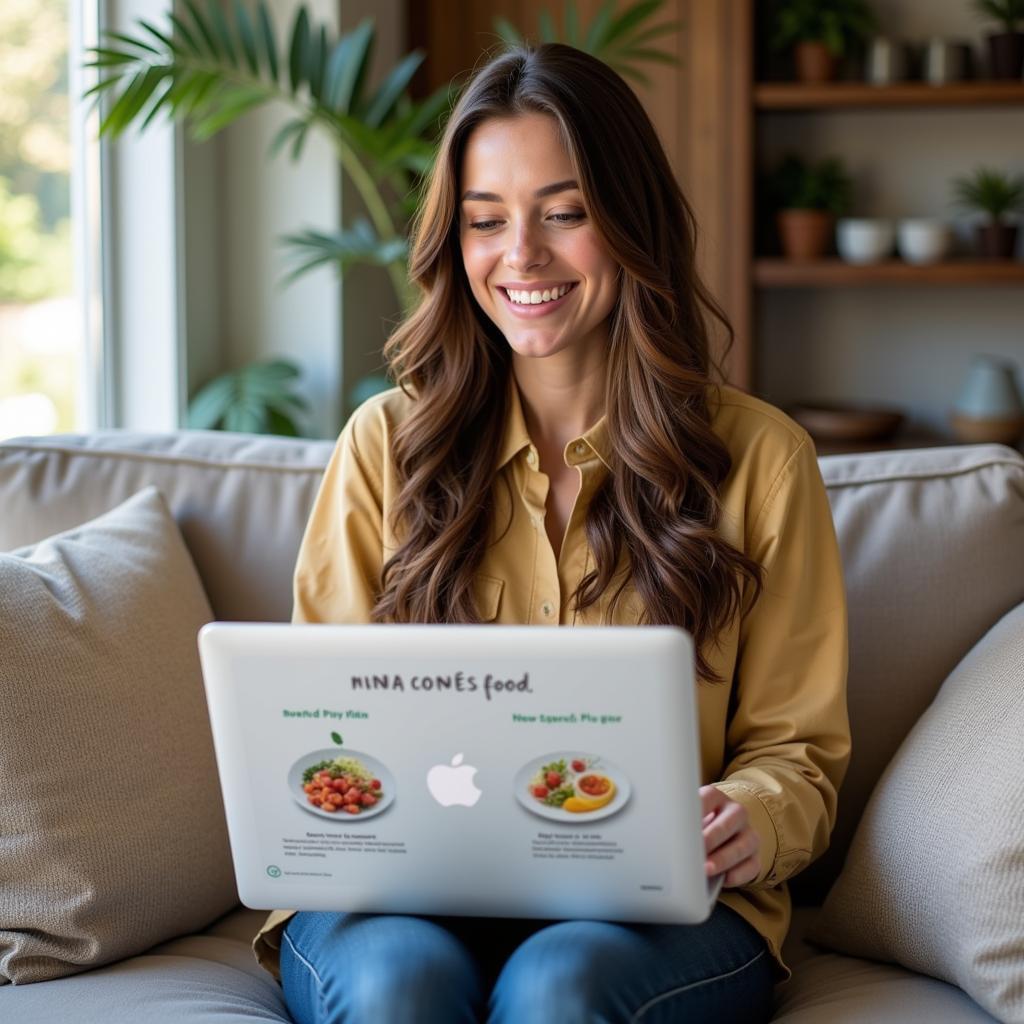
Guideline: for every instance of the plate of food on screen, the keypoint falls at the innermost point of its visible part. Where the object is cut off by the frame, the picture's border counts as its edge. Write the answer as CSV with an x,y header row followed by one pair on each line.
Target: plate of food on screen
x,y
571,786
341,784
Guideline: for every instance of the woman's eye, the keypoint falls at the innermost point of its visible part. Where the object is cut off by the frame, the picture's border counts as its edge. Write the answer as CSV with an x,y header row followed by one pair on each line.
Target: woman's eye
x,y
484,225
565,218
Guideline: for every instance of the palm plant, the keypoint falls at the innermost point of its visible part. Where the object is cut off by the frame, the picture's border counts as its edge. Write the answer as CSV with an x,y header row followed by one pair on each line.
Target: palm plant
x,y
209,68
990,192
257,399
619,40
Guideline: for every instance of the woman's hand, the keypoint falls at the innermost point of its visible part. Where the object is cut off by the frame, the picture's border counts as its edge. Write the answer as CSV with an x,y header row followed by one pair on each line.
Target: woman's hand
x,y
730,844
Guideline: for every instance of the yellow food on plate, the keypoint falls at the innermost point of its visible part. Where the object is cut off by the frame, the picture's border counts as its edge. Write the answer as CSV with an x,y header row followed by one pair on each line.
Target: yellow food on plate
x,y
579,804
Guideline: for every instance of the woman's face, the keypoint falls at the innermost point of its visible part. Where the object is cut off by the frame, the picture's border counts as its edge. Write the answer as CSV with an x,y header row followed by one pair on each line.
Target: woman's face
x,y
533,258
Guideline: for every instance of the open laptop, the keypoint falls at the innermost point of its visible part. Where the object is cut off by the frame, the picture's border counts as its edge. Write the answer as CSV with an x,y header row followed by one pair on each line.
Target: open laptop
x,y
504,771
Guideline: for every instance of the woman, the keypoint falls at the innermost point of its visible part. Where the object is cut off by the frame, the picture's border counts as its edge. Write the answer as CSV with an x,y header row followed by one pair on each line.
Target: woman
x,y
557,453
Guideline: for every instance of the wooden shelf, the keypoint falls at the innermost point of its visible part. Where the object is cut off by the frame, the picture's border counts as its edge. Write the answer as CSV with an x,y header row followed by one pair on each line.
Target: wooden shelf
x,y
860,95
909,439
780,273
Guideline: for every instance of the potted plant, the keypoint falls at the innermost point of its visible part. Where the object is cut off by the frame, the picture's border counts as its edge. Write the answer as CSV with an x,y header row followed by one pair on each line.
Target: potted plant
x,y
807,198
820,31
1006,48
995,195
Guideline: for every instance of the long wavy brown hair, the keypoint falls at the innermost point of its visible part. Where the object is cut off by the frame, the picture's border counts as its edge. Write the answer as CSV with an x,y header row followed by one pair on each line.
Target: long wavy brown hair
x,y
660,502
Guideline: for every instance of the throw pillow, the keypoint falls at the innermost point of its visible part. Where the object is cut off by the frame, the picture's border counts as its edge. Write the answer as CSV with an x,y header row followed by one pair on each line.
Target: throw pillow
x,y
934,879
112,831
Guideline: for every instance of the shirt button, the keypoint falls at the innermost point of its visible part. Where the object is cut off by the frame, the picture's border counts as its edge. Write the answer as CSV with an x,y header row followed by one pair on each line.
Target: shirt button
x,y
547,608
531,457
580,448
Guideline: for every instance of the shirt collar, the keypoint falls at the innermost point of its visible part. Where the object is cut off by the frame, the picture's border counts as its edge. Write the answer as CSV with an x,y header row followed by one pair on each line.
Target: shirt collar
x,y
516,436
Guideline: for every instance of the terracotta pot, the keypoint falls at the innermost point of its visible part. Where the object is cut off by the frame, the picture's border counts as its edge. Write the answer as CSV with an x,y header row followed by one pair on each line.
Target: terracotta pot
x,y
804,234
814,62
996,241
1006,55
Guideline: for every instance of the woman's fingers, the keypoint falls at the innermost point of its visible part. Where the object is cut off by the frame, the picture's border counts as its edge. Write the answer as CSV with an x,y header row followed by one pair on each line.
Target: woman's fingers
x,y
734,852
745,871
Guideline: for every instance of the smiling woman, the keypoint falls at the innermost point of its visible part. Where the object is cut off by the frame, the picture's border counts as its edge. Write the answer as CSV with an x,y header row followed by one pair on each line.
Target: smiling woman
x,y
560,451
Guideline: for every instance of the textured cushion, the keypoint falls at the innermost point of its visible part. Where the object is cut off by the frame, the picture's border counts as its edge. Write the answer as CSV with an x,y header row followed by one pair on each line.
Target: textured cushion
x,y
933,553
113,834
831,989
935,876
202,979
240,501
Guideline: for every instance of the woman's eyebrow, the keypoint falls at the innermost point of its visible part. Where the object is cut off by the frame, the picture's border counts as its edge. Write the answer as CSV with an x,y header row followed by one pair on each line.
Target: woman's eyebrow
x,y
547,190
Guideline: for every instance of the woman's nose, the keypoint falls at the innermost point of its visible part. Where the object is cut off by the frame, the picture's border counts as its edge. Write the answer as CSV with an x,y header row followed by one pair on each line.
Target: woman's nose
x,y
526,250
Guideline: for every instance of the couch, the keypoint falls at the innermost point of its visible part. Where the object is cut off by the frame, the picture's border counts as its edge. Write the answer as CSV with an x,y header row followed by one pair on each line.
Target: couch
x,y
933,549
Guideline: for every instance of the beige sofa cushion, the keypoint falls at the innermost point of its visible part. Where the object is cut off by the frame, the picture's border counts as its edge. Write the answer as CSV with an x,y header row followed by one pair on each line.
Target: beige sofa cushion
x,y
241,502
933,553
113,834
935,877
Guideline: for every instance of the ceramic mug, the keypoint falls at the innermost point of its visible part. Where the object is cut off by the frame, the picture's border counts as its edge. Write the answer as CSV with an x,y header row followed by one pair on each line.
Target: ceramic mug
x,y
943,61
922,240
886,61
864,239
989,389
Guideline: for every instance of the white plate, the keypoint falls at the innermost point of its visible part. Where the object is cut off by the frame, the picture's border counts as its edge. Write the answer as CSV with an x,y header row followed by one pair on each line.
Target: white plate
x,y
522,788
387,783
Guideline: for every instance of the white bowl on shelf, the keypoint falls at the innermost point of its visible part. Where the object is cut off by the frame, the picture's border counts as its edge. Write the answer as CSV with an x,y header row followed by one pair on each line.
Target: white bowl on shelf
x,y
922,239
864,239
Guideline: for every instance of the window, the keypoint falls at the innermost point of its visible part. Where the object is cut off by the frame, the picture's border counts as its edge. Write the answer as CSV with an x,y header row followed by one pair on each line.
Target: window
x,y
41,336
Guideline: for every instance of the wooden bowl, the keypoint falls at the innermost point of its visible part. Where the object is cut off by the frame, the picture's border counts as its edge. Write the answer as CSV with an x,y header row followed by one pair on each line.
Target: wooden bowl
x,y
994,430
846,421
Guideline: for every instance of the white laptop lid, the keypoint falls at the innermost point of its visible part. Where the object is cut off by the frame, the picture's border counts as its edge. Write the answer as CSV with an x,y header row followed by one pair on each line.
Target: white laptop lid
x,y
504,771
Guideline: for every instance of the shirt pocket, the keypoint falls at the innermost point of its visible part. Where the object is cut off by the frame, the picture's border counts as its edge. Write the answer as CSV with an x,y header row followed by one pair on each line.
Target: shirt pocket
x,y
487,595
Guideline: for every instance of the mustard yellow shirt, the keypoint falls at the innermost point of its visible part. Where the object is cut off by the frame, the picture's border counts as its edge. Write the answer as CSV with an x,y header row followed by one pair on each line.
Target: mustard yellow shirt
x,y
776,739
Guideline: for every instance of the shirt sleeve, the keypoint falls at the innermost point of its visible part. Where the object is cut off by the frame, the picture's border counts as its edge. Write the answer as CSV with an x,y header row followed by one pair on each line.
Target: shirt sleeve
x,y
337,573
788,738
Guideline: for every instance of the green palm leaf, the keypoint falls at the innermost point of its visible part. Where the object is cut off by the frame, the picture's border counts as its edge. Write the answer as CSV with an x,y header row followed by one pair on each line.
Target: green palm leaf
x,y
509,34
221,31
203,28
255,399
268,39
182,30
346,67
614,38
247,37
392,88
298,50
358,244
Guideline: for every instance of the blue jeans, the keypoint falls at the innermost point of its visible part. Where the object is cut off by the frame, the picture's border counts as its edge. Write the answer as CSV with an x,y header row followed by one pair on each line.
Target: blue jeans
x,y
381,969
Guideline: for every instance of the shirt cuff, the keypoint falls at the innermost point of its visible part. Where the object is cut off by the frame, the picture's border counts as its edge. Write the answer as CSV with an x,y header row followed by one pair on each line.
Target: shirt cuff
x,y
762,824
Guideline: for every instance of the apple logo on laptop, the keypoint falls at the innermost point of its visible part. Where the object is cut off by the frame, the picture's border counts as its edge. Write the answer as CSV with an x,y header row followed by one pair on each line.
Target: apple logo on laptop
x,y
453,784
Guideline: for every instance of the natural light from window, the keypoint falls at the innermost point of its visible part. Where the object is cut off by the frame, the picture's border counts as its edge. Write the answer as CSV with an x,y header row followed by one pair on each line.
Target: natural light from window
x,y
41,344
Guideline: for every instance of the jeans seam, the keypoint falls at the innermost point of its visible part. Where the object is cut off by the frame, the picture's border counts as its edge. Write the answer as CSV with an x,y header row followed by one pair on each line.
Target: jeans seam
x,y
694,984
312,970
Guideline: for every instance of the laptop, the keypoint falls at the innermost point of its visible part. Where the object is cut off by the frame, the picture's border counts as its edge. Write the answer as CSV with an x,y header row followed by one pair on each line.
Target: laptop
x,y
481,770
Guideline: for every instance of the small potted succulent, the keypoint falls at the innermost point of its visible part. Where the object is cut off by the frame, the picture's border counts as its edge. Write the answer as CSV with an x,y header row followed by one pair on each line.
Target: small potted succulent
x,y
997,195
820,31
807,198
1006,48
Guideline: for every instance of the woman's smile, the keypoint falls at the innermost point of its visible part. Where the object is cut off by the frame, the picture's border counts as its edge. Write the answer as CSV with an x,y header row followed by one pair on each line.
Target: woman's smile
x,y
538,300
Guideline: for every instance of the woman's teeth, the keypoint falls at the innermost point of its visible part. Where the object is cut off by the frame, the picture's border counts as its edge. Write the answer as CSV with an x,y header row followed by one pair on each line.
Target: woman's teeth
x,y
533,298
